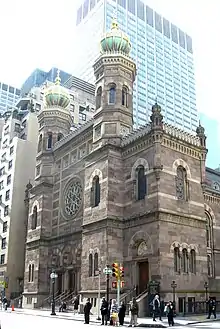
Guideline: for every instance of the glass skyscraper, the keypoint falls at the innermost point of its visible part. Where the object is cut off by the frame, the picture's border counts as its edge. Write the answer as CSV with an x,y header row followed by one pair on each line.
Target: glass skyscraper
x,y
163,54
8,96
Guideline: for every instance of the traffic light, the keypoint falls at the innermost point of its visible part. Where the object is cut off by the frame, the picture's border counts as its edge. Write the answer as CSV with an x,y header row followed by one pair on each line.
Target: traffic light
x,y
122,274
115,270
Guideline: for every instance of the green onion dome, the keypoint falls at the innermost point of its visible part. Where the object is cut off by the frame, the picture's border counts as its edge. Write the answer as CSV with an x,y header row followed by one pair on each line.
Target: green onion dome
x,y
115,41
57,95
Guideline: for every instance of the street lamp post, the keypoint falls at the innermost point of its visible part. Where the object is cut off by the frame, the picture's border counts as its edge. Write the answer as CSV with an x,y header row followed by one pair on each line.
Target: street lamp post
x,y
53,277
173,286
99,293
107,271
206,286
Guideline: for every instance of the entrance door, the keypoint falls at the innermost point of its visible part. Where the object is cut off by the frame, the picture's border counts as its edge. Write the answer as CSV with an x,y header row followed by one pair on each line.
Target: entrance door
x,y
143,276
71,280
60,283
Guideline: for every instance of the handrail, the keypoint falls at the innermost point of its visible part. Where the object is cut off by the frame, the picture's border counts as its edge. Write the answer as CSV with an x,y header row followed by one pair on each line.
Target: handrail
x,y
48,298
68,297
129,293
142,293
62,296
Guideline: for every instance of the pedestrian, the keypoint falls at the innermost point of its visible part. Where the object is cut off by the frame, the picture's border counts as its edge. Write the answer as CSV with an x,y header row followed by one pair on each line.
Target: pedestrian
x,y
109,312
134,309
121,313
212,307
75,305
170,311
87,309
156,308
114,312
5,303
104,311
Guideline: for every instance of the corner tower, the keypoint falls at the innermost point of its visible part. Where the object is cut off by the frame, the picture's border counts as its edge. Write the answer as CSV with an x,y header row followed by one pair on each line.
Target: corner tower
x,y
115,73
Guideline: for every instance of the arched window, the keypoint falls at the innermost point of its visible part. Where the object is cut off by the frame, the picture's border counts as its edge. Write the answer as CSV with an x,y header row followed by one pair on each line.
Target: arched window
x,y
192,264
34,218
112,95
49,141
96,264
59,137
40,143
95,192
99,98
29,273
209,230
209,265
182,186
124,98
32,273
177,260
185,259
90,264
141,183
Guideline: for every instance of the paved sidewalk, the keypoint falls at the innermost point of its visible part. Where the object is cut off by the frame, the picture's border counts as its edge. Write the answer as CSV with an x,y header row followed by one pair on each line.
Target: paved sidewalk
x,y
143,322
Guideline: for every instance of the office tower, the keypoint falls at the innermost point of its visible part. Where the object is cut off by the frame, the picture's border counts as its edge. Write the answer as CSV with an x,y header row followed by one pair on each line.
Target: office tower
x,y
8,96
163,54
18,158
38,77
211,126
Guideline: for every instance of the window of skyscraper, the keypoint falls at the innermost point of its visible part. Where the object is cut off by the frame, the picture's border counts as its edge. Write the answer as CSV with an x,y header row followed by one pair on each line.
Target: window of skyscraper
x,y
140,10
122,3
174,33
11,90
182,39
79,15
92,4
85,8
149,16
189,44
131,6
166,28
4,87
158,23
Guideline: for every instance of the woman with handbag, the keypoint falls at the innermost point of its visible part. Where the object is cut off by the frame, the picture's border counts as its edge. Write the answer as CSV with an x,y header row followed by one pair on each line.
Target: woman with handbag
x,y
114,313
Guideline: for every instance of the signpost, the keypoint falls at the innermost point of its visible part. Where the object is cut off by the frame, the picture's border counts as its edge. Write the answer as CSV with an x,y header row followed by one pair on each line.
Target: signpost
x,y
107,271
53,277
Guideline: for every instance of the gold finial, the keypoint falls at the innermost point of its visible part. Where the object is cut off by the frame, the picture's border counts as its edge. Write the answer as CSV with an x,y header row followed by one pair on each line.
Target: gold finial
x,y
114,21
58,80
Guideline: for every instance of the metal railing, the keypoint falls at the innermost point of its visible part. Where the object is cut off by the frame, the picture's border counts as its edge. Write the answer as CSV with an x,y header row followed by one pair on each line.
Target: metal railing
x,y
47,300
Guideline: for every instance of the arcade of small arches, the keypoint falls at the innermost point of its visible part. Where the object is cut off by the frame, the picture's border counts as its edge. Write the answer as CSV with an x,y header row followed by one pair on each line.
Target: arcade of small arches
x,y
112,91
93,264
49,141
184,258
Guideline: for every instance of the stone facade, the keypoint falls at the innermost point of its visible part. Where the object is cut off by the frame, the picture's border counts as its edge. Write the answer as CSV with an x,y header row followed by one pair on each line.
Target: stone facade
x,y
141,198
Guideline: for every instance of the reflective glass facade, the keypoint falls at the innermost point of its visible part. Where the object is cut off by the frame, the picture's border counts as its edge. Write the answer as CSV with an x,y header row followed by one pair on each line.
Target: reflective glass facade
x,y
8,96
163,54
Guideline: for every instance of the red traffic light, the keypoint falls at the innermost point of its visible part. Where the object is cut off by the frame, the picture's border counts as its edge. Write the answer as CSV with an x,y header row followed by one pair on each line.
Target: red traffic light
x,y
122,271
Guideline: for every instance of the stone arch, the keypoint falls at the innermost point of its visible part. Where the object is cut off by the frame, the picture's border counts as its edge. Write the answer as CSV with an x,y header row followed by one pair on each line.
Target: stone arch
x,y
139,162
98,86
174,245
194,247
136,240
55,258
210,212
35,204
66,256
96,172
180,162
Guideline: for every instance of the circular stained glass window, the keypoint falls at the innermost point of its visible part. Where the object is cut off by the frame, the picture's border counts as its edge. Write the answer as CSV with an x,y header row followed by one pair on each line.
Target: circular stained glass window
x,y
73,198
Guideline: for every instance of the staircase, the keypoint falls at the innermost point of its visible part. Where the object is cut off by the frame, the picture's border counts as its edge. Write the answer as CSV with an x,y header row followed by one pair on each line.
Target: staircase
x,y
142,301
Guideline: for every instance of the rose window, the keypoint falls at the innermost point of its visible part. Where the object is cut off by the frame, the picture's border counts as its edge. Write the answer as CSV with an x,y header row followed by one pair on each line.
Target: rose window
x,y
73,198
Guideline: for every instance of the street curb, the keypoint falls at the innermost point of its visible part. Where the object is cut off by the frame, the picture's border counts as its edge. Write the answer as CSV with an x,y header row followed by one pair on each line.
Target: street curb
x,y
204,321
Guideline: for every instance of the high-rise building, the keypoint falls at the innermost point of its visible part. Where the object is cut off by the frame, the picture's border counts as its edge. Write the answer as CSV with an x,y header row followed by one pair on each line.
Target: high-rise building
x,y
17,156
163,54
211,126
38,77
8,96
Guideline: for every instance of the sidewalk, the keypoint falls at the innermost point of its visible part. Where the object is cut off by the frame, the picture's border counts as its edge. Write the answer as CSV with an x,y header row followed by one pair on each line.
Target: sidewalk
x,y
142,322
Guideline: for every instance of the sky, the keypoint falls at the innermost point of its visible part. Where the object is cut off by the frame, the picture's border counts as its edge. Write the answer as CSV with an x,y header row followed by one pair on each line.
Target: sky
x,y
40,33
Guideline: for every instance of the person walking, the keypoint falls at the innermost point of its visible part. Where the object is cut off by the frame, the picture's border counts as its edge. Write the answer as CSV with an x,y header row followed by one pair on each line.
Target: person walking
x,y
87,309
169,310
104,311
75,305
121,313
114,312
212,307
156,308
134,309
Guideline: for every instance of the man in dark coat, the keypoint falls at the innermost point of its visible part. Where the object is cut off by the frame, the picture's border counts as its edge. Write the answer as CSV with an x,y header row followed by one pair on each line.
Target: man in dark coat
x,y
121,313
212,307
104,311
87,309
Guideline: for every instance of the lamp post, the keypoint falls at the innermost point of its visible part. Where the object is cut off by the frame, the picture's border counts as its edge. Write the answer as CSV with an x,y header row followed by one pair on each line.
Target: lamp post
x,y
107,271
173,286
98,272
206,286
53,277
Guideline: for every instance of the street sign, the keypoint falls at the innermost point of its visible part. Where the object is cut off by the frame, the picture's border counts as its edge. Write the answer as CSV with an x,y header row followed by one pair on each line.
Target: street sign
x,y
53,275
107,271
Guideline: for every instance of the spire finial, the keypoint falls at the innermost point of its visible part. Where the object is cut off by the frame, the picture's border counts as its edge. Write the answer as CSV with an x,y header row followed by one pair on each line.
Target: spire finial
x,y
58,80
114,20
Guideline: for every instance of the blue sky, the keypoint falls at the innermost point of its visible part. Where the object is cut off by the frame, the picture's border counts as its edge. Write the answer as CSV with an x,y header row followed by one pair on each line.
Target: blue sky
x,y
40,33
